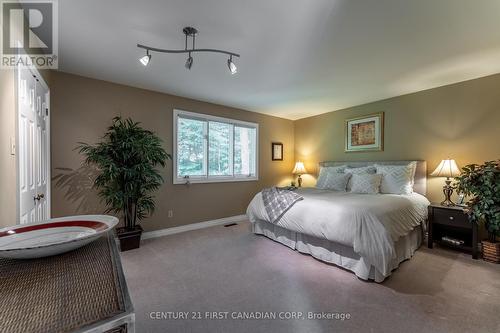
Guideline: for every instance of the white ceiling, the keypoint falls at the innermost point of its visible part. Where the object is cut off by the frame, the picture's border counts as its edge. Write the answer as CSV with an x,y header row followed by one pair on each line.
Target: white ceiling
x,y
298,57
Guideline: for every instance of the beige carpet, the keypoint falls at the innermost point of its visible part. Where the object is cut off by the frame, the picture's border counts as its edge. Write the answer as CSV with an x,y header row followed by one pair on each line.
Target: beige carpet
x,y
231,270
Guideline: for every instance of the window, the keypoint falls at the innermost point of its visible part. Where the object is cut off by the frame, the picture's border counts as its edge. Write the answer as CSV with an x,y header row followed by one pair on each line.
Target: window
x,y
213,149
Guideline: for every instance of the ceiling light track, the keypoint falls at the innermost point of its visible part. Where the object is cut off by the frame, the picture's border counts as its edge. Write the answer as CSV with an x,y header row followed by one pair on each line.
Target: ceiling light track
x,y
154,49
189,32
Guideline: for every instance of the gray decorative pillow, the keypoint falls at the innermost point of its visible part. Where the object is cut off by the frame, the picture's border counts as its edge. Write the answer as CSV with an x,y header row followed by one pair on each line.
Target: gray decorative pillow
x,y
365,169
397,179
336,181
360,170
366,183
325,171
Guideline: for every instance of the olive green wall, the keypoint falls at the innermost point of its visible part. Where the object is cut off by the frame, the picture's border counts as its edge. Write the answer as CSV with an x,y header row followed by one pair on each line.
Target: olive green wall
x,y
82,108
460,121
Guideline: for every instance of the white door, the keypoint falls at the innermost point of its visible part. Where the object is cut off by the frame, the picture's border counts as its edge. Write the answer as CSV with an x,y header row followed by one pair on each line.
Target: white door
x,y
33,147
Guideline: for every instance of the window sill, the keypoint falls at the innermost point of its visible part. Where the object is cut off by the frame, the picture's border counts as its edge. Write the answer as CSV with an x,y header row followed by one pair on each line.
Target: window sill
x,y
182,181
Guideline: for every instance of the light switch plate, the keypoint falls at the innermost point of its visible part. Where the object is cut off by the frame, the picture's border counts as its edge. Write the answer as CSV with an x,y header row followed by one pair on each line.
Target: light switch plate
x,y
12,146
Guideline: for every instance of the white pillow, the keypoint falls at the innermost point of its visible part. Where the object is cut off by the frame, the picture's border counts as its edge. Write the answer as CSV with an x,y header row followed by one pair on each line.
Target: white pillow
x,y
336,181
397,179
323,173
366,183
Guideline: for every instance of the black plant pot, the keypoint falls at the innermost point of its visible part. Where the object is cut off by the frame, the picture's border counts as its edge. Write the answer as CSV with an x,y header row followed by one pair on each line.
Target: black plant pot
x,y
129,238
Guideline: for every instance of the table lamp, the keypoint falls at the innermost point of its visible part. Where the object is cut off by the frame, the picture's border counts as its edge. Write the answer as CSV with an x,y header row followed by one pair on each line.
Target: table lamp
x,y
447,168
299,170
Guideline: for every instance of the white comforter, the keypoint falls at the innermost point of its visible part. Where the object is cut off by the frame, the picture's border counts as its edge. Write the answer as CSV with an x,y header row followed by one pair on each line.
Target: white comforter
x,y
369,223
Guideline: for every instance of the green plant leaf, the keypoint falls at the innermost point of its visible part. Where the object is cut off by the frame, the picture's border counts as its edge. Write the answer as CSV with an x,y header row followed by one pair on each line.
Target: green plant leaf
x,y
127,158
482,182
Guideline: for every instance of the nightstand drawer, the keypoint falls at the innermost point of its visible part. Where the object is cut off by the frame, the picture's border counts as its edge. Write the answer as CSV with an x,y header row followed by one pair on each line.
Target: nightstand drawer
x,y
451,217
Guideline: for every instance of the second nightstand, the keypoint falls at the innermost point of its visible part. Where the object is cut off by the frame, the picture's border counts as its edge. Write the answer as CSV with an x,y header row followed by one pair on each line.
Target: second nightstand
x,y
450,226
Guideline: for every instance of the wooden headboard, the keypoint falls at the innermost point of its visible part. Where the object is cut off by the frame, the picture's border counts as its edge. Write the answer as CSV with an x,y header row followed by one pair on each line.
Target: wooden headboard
x,y
420,185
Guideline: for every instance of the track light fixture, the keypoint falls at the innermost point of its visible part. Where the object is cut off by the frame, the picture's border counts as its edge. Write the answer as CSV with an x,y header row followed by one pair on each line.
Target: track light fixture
x,y
146,59
189,32
189,61
232,67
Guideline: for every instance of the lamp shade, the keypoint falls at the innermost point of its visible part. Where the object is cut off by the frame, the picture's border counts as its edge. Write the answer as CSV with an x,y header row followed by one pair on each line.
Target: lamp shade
x,y
447,168
299,168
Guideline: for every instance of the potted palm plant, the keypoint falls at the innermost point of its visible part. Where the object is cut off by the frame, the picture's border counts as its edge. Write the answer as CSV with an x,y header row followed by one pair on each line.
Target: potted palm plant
x,y
482,184
127,159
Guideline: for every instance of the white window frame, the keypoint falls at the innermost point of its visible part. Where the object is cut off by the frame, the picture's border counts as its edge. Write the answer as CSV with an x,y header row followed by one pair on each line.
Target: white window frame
x,y
207,178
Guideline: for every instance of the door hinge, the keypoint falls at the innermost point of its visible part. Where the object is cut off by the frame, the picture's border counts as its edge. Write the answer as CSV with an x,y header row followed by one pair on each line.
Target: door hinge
x,y
46,111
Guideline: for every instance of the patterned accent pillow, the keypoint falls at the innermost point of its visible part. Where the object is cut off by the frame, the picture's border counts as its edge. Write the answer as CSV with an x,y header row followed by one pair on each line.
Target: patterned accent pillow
x,y
360,170
366,183
336,181
397,179
365,169
323,173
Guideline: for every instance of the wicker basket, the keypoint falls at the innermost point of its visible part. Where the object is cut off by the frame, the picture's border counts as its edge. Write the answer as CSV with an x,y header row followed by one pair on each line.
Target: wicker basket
x,y
491,251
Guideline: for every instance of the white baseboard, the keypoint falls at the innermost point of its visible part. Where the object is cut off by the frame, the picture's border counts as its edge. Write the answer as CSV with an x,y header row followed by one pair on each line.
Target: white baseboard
x,y
193,226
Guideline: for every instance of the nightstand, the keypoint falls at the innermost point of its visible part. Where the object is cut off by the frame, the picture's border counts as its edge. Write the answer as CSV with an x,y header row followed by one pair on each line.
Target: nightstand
x,y
450,226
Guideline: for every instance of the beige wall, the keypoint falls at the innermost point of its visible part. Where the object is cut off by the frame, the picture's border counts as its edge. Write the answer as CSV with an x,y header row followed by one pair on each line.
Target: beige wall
x,y
8,185
460,121
7,161
82,108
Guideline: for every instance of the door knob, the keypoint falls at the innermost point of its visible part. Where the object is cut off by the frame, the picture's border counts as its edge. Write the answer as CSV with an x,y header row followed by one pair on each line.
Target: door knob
x,y
39,196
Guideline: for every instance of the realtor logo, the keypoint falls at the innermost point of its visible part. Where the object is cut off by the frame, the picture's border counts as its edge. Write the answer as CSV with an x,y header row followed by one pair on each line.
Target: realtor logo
x,y
29,34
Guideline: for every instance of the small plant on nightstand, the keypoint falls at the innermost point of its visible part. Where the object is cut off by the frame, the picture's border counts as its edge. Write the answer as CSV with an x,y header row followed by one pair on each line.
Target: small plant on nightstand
x,y
482,184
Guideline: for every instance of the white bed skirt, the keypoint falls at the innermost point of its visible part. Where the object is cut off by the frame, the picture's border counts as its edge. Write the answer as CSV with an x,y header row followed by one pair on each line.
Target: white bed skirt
x,y
338,254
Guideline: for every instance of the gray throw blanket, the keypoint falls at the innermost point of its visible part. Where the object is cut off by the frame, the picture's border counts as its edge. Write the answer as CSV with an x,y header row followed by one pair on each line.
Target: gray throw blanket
x,y
278,201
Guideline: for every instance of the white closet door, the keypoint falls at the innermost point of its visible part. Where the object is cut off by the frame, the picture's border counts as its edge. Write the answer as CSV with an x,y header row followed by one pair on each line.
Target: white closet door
x,y
33,148
41,152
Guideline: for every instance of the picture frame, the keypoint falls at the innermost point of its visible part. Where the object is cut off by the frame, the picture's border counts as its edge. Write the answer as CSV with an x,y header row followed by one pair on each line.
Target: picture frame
x,y
365,133
277,151
460,200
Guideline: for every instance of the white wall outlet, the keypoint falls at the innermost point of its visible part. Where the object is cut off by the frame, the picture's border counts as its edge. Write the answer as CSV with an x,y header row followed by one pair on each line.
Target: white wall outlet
x,y
12,146
170,213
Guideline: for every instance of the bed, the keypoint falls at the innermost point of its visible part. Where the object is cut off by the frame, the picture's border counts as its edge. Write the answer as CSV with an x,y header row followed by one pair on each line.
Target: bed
x,y
368,234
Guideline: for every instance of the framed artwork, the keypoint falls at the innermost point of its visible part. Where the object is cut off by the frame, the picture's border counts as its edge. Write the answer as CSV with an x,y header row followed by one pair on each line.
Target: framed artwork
x,y
461,200
365,133
277,151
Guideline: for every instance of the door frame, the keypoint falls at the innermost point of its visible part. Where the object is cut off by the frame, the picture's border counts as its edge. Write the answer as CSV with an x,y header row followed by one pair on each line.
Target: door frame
x,y
36,73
